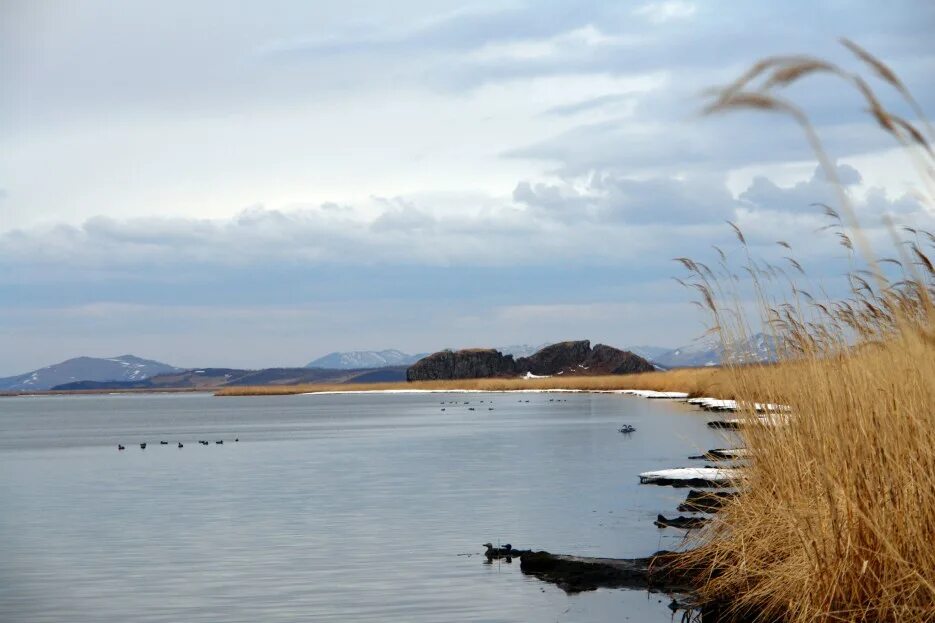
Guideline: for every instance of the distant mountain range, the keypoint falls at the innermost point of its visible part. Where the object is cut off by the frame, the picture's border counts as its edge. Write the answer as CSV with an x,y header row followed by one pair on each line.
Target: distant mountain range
x,y
649,352
359,359
709,351
130,372
210,379
124,368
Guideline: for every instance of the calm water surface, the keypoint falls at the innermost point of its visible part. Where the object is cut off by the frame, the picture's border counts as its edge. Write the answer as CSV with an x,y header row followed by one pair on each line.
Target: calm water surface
x,y
340,507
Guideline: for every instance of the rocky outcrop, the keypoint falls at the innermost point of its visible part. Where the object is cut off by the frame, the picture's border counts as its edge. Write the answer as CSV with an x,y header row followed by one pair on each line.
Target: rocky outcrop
x,y
609,360
564,358
556,357
472,363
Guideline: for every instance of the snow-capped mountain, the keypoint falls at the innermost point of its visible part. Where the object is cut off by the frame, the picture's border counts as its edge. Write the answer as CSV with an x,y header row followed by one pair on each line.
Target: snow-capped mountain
x,y
649,352
709,351
521,350
123,368
358,359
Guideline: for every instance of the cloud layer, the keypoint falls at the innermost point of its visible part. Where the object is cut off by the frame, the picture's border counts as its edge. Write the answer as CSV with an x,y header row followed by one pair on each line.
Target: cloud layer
x,y
410,177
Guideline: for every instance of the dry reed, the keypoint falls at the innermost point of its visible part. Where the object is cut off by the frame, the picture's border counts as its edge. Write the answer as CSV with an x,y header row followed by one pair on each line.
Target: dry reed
x,y
837,522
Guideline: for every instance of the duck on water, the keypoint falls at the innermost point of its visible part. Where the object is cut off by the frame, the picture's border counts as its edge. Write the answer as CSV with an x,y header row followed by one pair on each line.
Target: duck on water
x,y
504,551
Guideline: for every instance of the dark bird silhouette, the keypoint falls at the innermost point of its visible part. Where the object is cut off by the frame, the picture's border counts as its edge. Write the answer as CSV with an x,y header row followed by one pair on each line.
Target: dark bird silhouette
x,y
163,443
505,551
180,445
143,445
219,442
120,447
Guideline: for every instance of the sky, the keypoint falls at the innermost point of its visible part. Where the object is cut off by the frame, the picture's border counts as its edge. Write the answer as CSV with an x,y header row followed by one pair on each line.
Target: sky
x,y
254,184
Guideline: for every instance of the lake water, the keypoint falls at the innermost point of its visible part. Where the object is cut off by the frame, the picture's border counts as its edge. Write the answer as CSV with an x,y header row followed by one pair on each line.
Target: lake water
x,y
333,507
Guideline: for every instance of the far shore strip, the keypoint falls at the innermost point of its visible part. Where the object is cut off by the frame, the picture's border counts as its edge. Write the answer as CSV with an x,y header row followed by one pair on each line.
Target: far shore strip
x,y
631,392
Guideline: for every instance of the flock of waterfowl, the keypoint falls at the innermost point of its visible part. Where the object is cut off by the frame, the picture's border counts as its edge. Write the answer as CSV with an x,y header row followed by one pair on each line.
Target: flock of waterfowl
x,y
490,402
203,442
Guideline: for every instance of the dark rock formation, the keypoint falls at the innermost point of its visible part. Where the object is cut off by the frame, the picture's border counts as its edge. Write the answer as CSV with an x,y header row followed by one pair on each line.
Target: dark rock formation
x,y
609,360
463,364
563,358
556,357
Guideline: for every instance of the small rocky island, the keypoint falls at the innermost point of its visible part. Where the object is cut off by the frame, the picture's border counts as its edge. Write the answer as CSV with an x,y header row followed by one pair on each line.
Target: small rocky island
x,y
573,358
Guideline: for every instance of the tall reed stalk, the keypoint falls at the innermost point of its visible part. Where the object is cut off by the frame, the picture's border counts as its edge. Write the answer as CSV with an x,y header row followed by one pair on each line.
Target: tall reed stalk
x,y
836,521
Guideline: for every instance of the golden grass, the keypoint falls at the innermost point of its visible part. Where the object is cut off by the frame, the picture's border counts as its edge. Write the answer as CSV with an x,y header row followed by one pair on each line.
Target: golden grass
x,y
697,381
837,522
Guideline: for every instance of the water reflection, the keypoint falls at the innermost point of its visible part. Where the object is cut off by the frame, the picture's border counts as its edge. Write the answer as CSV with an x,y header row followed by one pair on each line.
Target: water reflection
x,y
329,507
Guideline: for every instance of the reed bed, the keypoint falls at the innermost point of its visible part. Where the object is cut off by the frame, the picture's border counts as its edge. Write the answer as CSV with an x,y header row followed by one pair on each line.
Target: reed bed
x,y
837,522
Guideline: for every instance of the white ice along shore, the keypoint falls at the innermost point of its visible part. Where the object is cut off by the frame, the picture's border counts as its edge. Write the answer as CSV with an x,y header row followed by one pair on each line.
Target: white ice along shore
x,y
773,419
648,393
714,404
698,476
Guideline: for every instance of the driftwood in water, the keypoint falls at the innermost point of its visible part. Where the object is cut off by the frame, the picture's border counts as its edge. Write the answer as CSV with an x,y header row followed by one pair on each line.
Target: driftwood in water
x,y
705,501
683,523
723,454
575,574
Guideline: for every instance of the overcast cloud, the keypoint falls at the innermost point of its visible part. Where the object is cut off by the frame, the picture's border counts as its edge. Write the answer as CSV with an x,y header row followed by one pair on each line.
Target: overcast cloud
x,y
257,184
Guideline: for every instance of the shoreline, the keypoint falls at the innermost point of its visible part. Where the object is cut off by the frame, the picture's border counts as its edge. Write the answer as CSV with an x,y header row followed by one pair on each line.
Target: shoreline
x,y
712,381
105,392
628,392
692,382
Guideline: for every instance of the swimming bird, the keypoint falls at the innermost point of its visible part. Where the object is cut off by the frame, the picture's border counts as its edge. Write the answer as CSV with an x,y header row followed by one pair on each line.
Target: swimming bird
x,y
143,445
163,443
180,445
237,439
218,442
499,552
120,447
